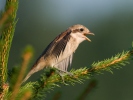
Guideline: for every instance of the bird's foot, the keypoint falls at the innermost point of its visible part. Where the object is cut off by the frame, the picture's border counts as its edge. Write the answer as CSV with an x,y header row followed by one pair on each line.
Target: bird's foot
x,y
61,74
68,73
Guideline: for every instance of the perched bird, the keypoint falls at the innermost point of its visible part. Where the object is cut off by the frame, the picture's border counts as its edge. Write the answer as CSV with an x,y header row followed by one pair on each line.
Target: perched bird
x,y
59,52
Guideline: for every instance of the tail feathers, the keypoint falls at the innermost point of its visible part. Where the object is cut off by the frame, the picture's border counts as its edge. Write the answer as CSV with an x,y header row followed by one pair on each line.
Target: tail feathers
x,y
29,74
35,68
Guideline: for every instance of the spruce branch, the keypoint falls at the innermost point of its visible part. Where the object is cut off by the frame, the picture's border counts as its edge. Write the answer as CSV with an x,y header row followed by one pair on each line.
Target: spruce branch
x,y
25,92
49,81
116,62
7,28
6,37
26,56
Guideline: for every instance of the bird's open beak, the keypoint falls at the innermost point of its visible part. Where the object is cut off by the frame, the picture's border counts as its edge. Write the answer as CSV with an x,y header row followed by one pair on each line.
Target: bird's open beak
x,y
87,37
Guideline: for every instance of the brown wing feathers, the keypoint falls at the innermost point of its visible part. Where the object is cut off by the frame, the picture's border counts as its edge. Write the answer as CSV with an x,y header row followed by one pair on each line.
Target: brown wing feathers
x,y
58,44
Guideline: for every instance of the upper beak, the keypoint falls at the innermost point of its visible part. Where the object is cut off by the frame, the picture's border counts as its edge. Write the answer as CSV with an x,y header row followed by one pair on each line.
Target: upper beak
x,y
89,33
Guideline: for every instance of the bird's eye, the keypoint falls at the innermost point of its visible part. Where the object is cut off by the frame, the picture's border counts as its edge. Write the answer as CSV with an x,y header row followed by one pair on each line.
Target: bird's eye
x,y
81,29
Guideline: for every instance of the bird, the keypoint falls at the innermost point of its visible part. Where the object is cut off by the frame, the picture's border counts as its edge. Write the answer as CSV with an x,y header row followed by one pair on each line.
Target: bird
x,y
59,53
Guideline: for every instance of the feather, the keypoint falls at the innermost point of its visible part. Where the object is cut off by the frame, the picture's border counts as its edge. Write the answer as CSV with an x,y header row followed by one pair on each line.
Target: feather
x,y
57,45
63,65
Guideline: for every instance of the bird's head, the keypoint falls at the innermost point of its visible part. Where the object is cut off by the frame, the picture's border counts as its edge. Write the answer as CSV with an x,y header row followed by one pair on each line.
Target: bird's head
x,y
79,32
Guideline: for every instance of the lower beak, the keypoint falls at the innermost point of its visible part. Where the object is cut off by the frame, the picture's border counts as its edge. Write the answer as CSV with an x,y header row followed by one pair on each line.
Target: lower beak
x,y
87,37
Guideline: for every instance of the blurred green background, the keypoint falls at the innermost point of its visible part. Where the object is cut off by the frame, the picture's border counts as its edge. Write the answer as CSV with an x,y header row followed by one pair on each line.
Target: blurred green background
x,y
40,21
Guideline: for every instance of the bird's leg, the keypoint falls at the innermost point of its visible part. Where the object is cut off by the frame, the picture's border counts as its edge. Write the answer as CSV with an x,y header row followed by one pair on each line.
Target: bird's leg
x,y
61,74
70,74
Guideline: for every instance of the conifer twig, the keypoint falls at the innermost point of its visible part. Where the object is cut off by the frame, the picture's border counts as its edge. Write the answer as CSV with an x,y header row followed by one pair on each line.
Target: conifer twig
x,y
27,55
115,62
79,75
6,37
7,28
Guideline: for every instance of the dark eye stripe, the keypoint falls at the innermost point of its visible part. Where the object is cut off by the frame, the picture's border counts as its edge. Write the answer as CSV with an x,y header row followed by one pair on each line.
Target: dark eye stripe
x,y
78,30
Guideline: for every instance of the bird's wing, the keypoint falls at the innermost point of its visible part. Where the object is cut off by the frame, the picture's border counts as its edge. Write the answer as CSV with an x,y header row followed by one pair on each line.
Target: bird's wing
x,y
63,65
57,45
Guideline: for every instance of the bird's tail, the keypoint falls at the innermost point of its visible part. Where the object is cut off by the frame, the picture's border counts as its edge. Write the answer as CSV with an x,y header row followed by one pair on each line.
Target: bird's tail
x,y
28,75
36,67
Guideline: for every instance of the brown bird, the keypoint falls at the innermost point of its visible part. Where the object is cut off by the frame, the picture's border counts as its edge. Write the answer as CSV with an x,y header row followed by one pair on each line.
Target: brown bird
x,y
59,52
